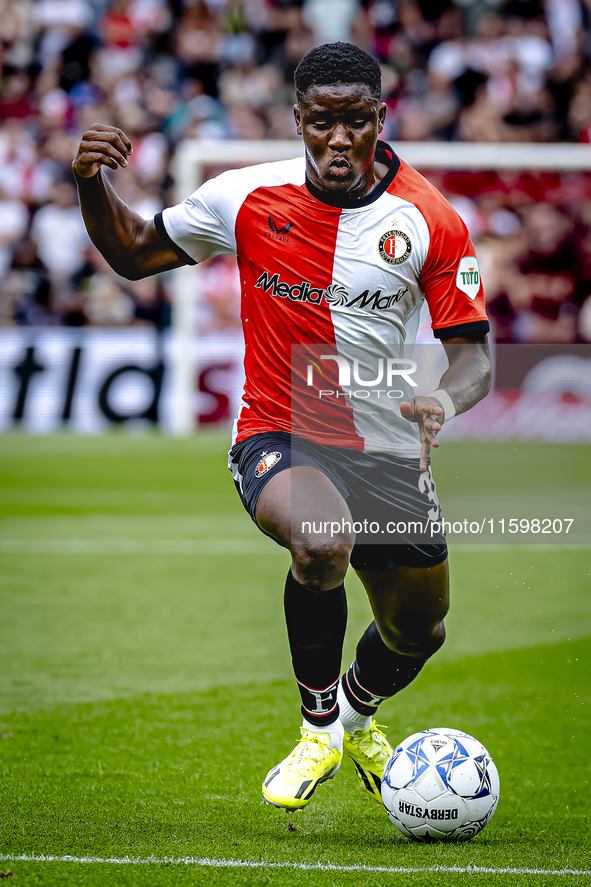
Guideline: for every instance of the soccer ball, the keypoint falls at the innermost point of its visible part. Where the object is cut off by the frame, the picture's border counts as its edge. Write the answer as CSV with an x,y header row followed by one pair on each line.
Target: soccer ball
x,y
440,785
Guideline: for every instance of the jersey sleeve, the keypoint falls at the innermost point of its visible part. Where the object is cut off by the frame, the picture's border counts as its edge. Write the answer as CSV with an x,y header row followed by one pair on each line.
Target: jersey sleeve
x,y
450,279
202,226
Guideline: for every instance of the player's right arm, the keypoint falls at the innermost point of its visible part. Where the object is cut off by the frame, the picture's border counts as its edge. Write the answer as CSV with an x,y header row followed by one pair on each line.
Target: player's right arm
x,y
131,245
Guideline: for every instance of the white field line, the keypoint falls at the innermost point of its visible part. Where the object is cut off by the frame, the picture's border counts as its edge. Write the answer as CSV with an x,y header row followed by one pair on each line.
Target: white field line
x,y
463,547
231,545
207,862
137,546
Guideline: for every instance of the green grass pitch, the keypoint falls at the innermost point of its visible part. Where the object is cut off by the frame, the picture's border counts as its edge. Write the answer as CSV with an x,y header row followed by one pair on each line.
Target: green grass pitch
x,y
145,681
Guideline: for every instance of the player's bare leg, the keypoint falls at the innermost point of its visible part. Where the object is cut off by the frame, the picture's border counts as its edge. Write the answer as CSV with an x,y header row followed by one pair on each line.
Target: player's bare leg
x,y
290,501
297,507
409,605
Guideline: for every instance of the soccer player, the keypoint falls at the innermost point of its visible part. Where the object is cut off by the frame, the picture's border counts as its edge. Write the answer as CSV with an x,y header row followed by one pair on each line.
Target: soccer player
x,y
337,253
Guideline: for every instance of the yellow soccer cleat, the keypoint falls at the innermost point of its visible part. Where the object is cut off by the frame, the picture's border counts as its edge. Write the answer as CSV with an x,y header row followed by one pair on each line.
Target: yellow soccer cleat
x,y
369,750
292,783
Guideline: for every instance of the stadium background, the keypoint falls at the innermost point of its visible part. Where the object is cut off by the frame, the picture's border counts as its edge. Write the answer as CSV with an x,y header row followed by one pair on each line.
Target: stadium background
x,y
167,70
144,671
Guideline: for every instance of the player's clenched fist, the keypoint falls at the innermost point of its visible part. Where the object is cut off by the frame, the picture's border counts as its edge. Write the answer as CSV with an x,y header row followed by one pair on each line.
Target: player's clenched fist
x,y
101,145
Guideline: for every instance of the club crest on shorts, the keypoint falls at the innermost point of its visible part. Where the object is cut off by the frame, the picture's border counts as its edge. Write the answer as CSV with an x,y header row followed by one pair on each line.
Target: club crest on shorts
x,y
267,461
395,247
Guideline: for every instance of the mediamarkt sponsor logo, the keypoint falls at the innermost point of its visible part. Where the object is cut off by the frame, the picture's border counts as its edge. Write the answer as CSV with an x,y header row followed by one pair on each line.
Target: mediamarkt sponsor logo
x,y
335,294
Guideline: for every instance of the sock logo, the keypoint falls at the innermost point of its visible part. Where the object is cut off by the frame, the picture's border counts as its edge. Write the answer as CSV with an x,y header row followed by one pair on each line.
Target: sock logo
x,y
373,700
359,698
319,702
323,703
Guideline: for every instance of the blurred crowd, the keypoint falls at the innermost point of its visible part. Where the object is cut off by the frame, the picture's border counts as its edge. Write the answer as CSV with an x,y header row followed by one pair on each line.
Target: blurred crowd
x,y
166,70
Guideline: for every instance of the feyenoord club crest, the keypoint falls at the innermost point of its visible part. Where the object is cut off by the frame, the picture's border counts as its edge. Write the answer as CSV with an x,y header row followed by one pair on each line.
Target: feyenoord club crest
x,y
266,463
395,247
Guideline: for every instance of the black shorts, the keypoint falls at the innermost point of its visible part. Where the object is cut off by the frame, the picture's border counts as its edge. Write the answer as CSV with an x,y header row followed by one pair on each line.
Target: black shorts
x,y
393,504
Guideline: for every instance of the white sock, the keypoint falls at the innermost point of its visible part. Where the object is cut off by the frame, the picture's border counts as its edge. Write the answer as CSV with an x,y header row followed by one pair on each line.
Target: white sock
x,y
334,730
349,718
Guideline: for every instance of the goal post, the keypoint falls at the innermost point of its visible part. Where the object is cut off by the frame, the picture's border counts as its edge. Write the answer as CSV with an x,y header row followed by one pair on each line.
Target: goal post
x,y
196,160
192,161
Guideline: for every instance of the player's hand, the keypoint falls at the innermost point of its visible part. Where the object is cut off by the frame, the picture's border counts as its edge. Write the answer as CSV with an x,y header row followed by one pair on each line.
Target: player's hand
x,y
426,412
101,145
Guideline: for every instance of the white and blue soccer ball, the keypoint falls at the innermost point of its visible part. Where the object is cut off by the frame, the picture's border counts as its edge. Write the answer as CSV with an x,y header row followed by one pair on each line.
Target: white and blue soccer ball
x,y
440,785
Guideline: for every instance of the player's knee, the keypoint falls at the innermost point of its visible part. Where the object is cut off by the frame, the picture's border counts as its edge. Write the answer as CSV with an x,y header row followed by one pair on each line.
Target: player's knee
x,y
321,564
414,637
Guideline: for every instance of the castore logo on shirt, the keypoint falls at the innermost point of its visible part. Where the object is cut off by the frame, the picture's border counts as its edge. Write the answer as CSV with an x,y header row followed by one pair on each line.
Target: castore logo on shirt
x,y
276,232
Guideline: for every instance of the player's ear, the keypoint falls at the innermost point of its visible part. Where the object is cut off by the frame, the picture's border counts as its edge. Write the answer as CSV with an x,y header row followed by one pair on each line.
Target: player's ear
x,y
381,116
298,119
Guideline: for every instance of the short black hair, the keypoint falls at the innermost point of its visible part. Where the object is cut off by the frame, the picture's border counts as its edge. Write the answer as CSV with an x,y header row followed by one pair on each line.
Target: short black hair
x,y
338,63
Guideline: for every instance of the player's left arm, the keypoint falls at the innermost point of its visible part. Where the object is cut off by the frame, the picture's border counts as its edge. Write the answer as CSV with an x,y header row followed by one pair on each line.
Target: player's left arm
x,y
466,381
450,279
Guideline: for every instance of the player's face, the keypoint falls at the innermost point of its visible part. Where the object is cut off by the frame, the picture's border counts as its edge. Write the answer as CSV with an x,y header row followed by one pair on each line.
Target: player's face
x,y
340,127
